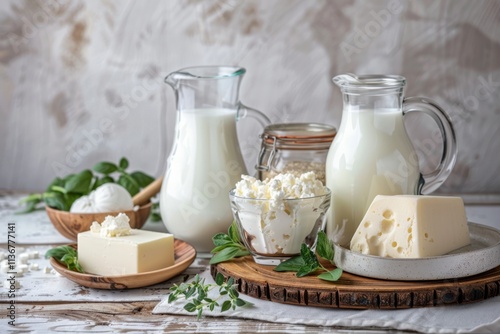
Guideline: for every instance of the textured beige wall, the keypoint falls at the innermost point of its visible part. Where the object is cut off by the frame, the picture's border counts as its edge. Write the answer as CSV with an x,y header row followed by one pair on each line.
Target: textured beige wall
x,y
82,81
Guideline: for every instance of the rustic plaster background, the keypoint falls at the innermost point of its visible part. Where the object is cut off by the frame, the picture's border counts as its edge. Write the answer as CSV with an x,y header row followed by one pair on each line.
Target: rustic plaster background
x,y
82,81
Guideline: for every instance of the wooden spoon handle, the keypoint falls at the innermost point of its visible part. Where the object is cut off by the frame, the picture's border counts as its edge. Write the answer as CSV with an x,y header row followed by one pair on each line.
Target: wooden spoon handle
x,y
145,194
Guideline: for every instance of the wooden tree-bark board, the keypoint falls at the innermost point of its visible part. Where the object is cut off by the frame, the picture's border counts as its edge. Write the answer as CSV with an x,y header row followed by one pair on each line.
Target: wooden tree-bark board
x,y
356,292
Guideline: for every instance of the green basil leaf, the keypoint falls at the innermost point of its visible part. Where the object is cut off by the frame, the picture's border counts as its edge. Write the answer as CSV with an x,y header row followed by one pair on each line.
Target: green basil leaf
x,y
309,258
105,167
71,198
56,201
324,247
58,252
58,189
123,163
142,179
306,270
79,183
30,206
242,252
31,198
103,180
221,239
233,232
66,255
292,264
127,182
57,182
221,247
224,255
331,276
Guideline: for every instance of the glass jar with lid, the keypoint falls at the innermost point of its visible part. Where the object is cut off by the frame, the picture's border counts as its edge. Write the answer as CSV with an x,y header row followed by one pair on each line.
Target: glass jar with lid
x,y
294,148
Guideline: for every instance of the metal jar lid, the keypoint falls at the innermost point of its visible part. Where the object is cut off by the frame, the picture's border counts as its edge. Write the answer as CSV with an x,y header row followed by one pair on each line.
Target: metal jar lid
x,y
299,135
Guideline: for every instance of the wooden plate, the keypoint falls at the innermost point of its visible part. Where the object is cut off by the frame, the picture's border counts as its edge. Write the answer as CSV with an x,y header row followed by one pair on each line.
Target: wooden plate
x,y
352,291
184,256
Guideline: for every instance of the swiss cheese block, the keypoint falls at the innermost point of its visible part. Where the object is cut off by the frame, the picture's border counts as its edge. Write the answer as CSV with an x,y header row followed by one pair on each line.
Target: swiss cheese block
x,y
411,226
139,252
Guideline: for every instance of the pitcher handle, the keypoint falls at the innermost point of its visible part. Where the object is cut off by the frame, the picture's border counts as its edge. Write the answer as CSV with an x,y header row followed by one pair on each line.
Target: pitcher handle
x,y
434,179
244,111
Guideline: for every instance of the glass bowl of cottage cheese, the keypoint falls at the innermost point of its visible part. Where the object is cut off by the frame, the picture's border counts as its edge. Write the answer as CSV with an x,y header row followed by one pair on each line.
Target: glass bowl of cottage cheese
x,y
275,216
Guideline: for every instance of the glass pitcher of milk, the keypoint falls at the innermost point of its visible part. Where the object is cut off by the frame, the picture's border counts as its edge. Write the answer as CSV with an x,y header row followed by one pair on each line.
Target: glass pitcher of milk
x,y
372,153
205,161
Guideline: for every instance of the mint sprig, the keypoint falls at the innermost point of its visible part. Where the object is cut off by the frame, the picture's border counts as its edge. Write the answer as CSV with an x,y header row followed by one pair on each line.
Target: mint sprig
x,y
307,262
227,246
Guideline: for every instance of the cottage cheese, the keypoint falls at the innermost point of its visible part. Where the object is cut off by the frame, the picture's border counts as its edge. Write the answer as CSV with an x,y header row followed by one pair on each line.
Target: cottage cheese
x,y
112,226
278,214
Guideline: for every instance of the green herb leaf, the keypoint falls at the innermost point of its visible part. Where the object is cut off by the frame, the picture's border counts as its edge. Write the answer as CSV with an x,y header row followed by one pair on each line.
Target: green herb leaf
x,y
31,201
56,201
219,279
331,276
58,189
233,233
221,239
70,198
57,182
325,247
100,181
30,206
228,246
225,254
79,183
105,167
142,179
307,263
292,264
123,163
196,294
226,306
66,255
127,182
190,307
309,258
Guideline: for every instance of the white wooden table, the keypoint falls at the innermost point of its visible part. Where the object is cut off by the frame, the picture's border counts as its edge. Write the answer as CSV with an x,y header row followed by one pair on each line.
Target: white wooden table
x,y
48,302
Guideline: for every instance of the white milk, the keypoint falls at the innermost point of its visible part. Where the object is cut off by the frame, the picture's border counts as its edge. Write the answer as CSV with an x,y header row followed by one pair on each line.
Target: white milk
x,y
204,165
370,155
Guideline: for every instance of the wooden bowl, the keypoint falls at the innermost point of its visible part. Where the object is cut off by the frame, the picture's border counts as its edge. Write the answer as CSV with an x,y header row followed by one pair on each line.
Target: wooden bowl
x,y
70,224
184,255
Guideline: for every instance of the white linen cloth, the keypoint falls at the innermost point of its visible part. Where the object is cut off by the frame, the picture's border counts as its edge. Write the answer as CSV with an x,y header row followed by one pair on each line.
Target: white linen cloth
x,y
481,317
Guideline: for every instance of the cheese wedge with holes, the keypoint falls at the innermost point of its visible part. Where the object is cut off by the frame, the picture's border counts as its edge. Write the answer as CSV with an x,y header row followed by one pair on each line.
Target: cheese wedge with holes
x,y
412,226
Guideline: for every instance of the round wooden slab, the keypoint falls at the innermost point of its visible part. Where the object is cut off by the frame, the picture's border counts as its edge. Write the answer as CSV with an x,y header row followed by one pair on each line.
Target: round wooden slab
x,y
357,292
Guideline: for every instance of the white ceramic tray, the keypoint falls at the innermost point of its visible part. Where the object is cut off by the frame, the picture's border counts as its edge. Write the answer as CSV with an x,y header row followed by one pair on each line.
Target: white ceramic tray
x,y
481,255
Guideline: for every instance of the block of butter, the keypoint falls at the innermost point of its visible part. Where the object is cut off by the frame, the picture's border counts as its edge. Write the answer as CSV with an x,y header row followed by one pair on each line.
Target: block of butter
x,y
412,226
139,251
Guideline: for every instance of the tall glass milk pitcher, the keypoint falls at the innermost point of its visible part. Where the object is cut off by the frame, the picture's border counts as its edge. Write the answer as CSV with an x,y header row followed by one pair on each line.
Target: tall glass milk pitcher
x,y
205,161
372,153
